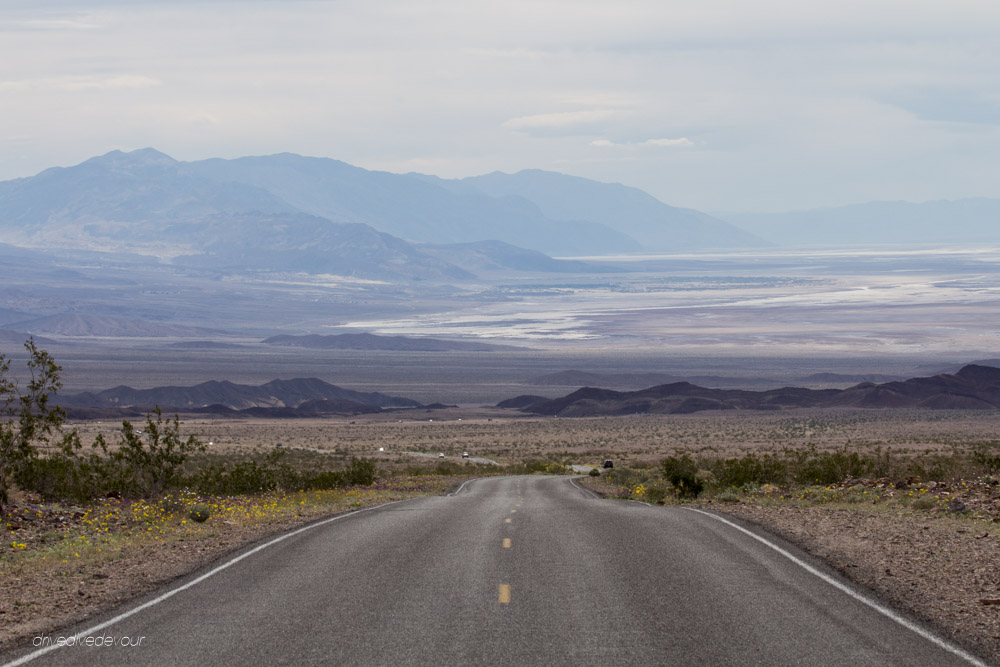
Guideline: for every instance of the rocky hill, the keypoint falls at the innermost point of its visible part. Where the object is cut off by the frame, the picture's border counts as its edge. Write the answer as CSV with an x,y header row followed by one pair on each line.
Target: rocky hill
x,y
289,394
575,378
972,388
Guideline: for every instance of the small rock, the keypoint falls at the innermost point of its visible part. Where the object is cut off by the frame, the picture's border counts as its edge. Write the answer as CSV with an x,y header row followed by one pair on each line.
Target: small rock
x,y
989,601
957,506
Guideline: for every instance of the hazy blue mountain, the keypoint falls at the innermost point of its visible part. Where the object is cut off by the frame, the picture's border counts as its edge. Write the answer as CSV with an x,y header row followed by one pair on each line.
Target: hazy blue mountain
x,y
288,212
413,208
629,210
77,325
19,337
146,202
959,221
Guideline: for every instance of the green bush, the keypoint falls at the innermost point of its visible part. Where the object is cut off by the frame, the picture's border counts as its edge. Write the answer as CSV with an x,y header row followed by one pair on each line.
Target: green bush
x,y
144,463
682,473
766,469
272,473
360,472
729,495
990,462
26,419
200,513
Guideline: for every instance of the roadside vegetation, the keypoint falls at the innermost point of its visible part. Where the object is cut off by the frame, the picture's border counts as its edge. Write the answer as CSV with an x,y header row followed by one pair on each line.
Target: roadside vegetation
x,y
963,482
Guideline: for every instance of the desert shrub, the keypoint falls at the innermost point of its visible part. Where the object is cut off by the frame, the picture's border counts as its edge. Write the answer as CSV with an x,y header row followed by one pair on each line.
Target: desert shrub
x,y
447,468
63,478
144,463
736,472
200,513
244,477
812,467
328,479
594,472
682,473
272,472
729,495
359,472
26,419
989,462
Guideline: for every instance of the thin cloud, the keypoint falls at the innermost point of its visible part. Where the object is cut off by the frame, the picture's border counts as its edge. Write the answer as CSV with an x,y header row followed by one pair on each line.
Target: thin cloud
x,y
560,120
648,143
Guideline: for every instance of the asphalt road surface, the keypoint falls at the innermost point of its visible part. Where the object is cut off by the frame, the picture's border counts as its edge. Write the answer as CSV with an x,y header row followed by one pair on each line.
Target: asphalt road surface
x,y
520,570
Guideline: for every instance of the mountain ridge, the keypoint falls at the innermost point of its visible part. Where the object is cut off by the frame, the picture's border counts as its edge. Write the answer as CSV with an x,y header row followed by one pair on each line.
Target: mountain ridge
x,y
274,394
972,388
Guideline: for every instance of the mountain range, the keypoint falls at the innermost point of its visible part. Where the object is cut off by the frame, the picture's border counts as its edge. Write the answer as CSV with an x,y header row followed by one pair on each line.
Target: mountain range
x,y
228,396
288,212
971,388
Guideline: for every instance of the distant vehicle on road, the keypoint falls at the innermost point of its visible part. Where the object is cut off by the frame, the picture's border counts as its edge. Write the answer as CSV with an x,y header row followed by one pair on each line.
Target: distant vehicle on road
x,y
441,455
465,455
608,463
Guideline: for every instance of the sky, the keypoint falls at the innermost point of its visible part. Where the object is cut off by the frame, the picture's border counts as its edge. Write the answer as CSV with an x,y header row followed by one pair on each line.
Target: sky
x,y
719,105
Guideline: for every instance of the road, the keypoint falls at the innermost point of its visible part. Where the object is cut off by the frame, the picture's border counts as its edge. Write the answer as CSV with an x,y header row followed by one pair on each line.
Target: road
x,y
517,570
471,459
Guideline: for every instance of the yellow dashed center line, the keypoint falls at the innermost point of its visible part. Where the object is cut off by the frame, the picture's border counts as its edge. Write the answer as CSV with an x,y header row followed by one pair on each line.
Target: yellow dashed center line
x,y
506,543
513,511
504,595
507,520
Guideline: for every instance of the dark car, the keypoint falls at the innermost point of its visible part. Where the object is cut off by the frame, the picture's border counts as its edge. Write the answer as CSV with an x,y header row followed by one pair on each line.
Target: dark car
x,y
608,463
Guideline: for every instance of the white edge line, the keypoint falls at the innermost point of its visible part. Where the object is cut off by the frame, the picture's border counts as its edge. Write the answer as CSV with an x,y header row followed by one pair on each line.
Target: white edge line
x,y
586,491
885,611
456,492
121,617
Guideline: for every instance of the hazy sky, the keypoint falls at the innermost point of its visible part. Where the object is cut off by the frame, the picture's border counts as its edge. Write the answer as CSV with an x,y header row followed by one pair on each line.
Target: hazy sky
x,y
715,104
